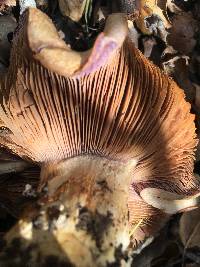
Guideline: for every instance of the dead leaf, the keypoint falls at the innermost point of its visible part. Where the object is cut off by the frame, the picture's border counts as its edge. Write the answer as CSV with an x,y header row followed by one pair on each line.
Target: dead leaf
x,y
192,265
197,98
197,111
145,255
156,26
163,5
181,35
178,68
197,154
73,8
8,3
147,9
169,50
196,10
133,33
173,7
7,25
148,43
42,3
190,229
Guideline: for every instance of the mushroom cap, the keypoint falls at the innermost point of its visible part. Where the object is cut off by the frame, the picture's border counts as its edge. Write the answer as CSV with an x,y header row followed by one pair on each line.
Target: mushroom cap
x,y
45,43
120,107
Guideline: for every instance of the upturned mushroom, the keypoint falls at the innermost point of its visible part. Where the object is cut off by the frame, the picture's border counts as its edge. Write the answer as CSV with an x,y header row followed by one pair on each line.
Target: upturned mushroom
x,y
113,136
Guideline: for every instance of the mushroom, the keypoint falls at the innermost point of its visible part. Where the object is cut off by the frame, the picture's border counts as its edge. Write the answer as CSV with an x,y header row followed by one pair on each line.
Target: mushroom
x,y
113,136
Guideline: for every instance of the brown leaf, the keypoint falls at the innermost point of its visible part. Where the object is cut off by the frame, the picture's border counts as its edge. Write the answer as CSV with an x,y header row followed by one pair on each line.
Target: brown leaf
x,y
11,2
8,3
197,111
192,265
173,7
148,43
133,33
149,8
73,8
18,189
7,25
42,3
182,33
196,10
197,97
178,68
190,229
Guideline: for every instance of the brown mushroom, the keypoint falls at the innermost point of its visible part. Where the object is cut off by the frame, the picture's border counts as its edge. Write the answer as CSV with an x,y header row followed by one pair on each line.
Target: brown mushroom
x,y
113,135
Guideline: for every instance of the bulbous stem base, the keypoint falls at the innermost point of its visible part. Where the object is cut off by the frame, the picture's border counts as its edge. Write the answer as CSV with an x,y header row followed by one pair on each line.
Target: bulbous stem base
x,y
83,219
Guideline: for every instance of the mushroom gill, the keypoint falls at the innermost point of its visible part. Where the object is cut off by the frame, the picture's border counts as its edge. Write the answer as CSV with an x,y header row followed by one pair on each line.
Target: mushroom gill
x,y
113,135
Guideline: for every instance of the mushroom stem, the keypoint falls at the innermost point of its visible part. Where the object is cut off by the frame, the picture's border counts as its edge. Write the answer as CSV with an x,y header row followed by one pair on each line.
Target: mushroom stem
x,y
94,192
91,227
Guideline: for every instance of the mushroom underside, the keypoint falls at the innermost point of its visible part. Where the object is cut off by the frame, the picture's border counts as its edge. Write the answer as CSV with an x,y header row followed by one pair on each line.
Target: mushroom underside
x,y
123,112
